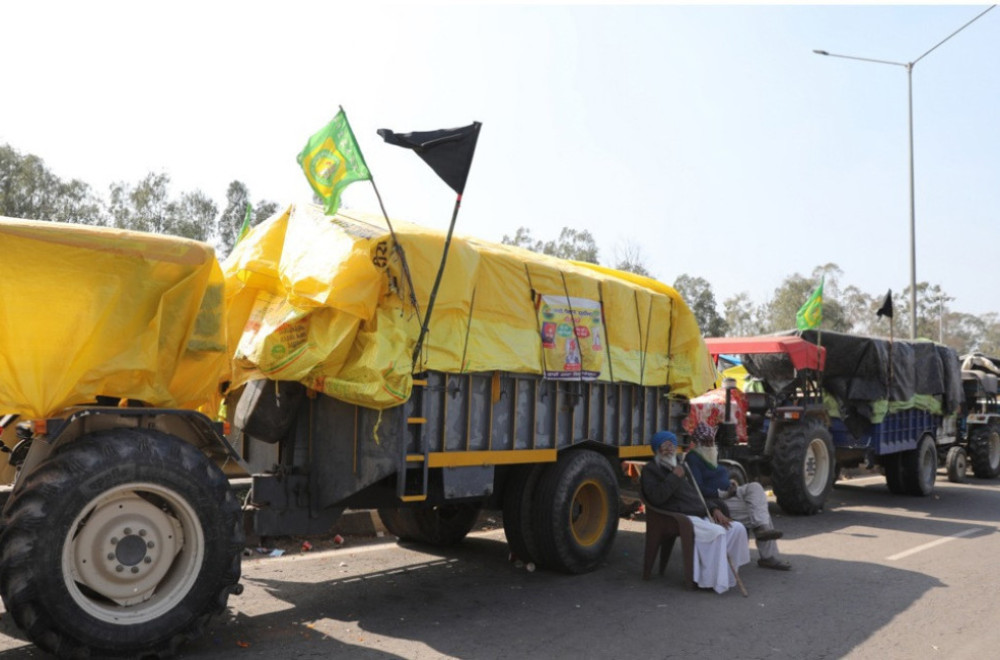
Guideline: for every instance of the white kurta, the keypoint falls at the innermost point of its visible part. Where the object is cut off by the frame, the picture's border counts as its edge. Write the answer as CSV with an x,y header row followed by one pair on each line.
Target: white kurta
x,y
711,544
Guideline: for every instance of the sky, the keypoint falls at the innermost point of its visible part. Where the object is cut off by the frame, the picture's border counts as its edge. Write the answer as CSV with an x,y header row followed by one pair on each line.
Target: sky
x,y
710,139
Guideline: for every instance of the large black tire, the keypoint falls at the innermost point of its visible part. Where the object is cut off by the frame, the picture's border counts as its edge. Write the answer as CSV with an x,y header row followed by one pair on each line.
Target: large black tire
x,y
920,467
575,512
958,464
519,493
442,525
122,544
984,451
893,466
803,463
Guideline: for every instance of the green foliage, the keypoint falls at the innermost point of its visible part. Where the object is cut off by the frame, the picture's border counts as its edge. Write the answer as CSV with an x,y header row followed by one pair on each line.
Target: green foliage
x,y
29,190
578,245
697,293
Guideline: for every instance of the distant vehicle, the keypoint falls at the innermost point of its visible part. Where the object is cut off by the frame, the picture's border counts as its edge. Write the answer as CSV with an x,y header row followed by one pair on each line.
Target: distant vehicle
x,y
817,403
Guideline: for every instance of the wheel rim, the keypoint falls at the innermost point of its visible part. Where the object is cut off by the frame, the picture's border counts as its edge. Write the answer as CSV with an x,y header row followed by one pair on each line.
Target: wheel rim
x,y
928,462
589,513
816,467
960,463
133,553
994,449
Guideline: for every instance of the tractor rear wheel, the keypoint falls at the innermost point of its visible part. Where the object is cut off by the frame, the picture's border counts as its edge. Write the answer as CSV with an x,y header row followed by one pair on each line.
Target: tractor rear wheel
x,y
122,544
984,451
803,461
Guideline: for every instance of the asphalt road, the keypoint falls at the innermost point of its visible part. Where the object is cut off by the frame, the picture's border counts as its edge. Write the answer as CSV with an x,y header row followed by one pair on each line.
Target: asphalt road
x,y
875,576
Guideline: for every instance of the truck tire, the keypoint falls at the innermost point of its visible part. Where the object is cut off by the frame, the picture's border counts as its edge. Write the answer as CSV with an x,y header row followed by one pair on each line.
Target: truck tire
x,y
958,465
984,451
920,467
575,515
122,544
442,525
518,495
893,466
803,462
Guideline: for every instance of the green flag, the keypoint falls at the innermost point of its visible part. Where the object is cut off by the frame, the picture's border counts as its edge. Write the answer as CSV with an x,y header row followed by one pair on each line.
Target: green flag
x,y
246,225
331,161
810,315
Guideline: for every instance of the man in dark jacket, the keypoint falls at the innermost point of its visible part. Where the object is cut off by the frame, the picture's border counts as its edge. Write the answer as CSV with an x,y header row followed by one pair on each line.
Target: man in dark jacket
x,y
746,503
665,486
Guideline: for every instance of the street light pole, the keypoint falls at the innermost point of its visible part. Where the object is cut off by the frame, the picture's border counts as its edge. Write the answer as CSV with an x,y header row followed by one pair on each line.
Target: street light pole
x,y
913,210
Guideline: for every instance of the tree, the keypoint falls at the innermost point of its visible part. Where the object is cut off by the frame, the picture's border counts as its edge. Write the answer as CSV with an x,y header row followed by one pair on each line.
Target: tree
x,y
743,317
577,245
29,190
195,216
231,219
793,293
628,257
697,292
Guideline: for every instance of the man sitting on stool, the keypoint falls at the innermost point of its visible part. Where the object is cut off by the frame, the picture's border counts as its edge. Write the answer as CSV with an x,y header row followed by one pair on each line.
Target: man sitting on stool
x,y
747,503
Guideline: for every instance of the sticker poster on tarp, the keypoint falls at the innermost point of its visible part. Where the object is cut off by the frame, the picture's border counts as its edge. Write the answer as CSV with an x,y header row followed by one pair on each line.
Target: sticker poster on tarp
x,y
572,342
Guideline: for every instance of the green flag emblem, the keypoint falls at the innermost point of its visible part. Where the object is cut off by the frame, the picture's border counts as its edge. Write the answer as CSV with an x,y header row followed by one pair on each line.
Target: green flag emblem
x,y
331,161
810,315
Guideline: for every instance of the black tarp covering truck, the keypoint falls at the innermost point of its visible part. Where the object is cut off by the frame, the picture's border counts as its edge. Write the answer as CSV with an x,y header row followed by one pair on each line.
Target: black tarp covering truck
x,y
818,402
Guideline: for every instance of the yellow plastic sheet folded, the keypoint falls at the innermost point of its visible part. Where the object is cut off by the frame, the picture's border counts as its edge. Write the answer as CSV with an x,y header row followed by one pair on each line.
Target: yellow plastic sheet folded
x,y
90,311
327,302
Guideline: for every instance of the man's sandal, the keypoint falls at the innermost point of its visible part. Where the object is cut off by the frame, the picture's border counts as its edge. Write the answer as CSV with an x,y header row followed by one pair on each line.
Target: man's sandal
x,y
776,564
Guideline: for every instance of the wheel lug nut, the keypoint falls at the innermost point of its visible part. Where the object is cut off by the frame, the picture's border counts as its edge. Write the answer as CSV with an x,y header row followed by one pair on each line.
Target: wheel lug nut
x,y
114,540
111,556
128,531
119,568
142,532
135,569
148,560
150,544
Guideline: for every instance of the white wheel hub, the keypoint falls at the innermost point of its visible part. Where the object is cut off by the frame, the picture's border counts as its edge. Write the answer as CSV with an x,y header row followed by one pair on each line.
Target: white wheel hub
x,y
133,553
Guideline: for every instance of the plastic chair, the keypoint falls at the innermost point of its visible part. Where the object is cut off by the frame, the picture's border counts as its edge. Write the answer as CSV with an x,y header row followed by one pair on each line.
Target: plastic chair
x,y
662,529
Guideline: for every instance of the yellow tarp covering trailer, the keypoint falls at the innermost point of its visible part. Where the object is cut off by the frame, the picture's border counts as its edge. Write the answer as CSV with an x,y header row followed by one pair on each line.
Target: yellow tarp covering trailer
x,y
89,311
536,374
121,533
326,302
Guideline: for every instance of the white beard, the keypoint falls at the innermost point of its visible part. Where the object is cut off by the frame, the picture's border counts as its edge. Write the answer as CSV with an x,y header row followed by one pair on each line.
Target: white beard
x,y
710,454
668,462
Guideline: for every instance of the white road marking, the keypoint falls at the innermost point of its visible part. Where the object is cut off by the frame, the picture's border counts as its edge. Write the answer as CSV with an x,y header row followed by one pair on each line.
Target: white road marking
x,y
925,546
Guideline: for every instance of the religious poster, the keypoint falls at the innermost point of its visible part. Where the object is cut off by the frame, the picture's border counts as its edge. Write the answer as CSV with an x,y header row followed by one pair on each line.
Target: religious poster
x,y
571,337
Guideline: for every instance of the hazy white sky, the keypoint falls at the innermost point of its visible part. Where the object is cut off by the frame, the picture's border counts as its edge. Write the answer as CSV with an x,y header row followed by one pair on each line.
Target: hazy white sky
x,y
711,137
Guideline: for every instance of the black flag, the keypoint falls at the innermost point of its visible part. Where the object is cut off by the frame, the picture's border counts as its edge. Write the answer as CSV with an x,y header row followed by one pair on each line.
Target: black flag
x,y
886,308
448,151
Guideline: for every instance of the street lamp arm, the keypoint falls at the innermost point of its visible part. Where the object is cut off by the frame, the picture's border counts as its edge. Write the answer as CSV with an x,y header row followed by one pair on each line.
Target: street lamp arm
x,y
862,59
980,15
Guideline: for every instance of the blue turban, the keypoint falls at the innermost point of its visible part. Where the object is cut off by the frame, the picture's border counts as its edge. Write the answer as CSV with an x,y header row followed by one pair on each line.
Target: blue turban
x,y
660,437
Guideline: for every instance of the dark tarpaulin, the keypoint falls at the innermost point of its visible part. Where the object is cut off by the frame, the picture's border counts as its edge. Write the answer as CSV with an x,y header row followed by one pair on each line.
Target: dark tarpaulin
x,y
857,371
448,151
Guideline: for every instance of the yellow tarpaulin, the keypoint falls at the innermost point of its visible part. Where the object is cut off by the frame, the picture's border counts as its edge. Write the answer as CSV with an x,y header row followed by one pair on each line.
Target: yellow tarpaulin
x,y
326,302
88,311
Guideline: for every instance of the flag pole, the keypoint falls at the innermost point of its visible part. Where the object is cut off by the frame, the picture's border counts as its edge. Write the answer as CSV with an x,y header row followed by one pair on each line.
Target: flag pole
x,y
399,248
437,282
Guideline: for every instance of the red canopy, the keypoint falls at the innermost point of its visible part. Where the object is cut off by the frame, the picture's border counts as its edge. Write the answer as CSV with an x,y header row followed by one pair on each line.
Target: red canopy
x,y
803,354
